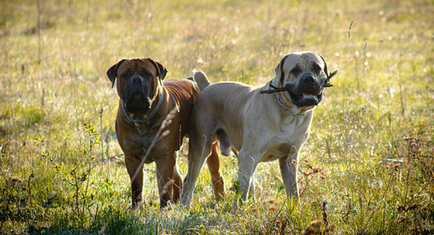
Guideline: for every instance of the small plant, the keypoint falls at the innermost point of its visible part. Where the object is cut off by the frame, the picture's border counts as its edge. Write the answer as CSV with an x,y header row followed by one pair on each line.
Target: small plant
x,y
77,177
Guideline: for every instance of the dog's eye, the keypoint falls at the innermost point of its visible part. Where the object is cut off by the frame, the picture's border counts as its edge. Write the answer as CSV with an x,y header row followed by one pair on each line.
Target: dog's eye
x,y
148,75
125,74
295,71
317,68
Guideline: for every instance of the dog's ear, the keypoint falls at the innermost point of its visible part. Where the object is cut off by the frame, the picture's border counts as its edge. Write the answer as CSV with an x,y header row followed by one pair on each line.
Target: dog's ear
x,y
326,70
111,73
279,69
161,70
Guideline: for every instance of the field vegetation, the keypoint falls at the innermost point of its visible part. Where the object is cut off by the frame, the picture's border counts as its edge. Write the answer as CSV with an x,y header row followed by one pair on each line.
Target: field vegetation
x,y
367,168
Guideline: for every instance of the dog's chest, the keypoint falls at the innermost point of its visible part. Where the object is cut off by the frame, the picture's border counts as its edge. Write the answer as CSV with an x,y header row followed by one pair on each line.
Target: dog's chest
x,y
287,139
149,148
277,151
149,144
283,144
296,123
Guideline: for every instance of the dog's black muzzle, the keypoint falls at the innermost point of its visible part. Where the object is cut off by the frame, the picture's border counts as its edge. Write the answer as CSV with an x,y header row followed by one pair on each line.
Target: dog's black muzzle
x,y
308,92
137,95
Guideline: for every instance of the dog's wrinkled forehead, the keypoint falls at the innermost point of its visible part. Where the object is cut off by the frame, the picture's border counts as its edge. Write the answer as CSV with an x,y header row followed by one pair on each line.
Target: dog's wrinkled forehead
x,y
302,61
137,66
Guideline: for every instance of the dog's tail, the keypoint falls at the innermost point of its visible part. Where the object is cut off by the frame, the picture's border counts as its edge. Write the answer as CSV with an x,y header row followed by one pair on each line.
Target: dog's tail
x,y
201,79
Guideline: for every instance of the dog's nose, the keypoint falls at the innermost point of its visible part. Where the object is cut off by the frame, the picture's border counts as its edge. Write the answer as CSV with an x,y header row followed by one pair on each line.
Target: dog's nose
x,y
308,79
136,79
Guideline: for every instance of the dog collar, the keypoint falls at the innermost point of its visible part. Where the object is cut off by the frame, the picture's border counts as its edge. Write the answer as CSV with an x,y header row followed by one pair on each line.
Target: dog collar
x,y
280,101
274,91
137,122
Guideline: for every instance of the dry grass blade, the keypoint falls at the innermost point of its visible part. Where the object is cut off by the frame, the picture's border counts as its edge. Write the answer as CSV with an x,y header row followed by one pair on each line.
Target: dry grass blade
x,y
160,134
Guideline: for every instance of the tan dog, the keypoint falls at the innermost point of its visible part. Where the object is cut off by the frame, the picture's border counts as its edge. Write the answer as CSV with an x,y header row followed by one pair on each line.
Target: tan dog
x,y
144,104
262,127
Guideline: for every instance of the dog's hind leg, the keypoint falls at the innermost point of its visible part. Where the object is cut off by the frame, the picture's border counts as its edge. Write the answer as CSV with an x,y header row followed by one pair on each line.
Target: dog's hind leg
x,y
216,178
199,150
177,177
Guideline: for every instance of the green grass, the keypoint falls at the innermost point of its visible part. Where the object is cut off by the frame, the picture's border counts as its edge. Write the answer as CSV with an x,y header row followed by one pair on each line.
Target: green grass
x,y
59,176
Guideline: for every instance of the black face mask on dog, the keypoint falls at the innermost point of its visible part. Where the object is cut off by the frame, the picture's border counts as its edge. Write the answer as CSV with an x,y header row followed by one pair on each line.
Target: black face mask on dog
x,y
286,88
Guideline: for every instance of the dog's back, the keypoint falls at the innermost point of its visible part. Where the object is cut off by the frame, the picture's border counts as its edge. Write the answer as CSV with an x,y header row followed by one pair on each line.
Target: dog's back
x,y
184,93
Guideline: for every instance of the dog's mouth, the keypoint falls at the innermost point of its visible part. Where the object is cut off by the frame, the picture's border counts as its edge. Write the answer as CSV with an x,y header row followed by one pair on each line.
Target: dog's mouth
x,y
138,105
303,99
136,100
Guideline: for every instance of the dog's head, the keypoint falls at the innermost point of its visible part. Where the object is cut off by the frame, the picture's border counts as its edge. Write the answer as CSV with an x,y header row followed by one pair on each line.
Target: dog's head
x,y
137,82
304,75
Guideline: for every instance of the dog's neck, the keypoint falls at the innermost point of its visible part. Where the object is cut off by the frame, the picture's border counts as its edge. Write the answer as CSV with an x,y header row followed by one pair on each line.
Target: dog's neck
x,y
293,109
138,122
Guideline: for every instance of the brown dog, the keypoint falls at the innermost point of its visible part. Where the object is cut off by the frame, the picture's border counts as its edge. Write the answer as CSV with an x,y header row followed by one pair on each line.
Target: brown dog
x,y
151,121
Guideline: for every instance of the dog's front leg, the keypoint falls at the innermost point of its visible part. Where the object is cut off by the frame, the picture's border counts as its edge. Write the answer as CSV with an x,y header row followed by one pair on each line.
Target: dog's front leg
x,y
198,152
247,164
288,168
132,165
165,172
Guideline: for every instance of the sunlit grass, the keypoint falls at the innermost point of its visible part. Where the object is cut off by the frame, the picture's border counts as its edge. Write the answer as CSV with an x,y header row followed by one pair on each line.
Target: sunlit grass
x,y
368,177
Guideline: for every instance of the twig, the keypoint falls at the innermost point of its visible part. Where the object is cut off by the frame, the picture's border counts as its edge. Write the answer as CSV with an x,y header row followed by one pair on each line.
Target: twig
x,y
39,31
167,121
30,189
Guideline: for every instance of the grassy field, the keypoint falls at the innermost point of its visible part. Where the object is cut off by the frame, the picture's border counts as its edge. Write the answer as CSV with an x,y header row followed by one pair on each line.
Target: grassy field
x,y
367,168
